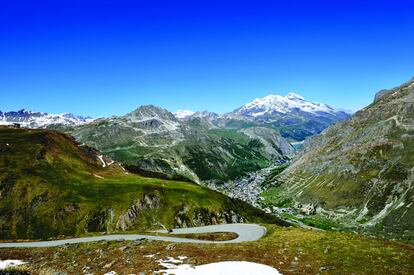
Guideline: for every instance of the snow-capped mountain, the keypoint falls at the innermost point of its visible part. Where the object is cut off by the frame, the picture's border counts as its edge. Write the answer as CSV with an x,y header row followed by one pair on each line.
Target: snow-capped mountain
x,y
294,116
188,115
204,114
284,105
31,119
182,114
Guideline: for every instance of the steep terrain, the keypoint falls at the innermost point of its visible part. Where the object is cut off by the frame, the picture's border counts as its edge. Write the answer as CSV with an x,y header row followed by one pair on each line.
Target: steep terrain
x,y
359,173
51,186
152,141
195,146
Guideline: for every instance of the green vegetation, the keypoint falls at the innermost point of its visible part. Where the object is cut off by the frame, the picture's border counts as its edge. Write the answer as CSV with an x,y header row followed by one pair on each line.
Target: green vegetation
x,y
193,152
50,186
270,179
276,197
290,250
359,172
232,134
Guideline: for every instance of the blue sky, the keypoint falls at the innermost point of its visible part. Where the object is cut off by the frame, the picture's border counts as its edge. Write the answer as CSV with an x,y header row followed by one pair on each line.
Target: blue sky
x,y
102,58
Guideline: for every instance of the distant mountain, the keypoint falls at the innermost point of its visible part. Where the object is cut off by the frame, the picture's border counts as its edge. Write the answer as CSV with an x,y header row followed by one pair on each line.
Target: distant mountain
x,y
188,115
202,119
183,113
198,146
295,117
270,107
360,173
31,119
152,141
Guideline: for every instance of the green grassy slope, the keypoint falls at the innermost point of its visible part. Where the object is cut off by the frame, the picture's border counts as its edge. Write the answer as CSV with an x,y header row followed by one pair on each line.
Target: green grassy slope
x,y
51,186
360,171
151,141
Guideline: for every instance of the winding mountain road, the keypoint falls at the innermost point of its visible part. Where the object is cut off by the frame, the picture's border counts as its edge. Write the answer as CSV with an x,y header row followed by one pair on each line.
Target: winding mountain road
x,y
245,232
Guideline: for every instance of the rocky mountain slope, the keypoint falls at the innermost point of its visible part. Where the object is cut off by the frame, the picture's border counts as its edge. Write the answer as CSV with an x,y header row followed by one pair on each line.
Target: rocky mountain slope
x,y
195,146
359,172
31,119
51,186
152,141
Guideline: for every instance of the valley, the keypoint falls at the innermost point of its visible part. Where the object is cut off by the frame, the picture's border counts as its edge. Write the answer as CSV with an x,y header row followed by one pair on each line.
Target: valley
x,y
153,170
64,190
206,137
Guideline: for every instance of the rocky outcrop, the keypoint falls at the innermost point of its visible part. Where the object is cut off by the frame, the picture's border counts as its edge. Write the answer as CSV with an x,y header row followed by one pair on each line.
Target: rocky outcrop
x,y
100,220
147,202
187,217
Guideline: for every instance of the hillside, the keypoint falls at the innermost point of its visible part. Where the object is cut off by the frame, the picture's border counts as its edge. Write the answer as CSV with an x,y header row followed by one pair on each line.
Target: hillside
x,y
51,186
152,141
359,173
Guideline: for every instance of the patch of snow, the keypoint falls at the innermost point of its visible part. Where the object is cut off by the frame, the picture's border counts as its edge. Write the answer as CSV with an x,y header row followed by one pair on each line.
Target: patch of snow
x,y
363,212
294,96
381,214
183,113
10,263
170,262
110,273
100,157
223,268
401,204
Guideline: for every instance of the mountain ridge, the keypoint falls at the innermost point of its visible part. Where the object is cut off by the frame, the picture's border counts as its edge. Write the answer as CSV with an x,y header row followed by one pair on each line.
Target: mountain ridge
x,y
359,172
32,119
152,139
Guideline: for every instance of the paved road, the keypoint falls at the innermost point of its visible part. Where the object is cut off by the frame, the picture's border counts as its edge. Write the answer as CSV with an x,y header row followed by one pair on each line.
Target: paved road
x,y
246,232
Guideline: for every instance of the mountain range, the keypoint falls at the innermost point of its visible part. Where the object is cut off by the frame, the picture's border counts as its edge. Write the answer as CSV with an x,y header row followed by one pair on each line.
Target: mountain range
x,y
152,141
293,116
195,146
31,119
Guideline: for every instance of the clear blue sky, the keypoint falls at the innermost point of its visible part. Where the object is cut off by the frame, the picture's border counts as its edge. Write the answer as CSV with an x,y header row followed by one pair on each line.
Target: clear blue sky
x,y
102,57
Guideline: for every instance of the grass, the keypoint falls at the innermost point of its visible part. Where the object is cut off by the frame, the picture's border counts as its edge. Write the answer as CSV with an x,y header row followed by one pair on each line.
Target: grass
x,y
52,187
216,236
290,250
231,134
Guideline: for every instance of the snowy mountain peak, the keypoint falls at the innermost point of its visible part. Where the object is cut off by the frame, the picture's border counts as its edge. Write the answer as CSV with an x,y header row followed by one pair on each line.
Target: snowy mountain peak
x,y
294,96
283,105
32,119
183,113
